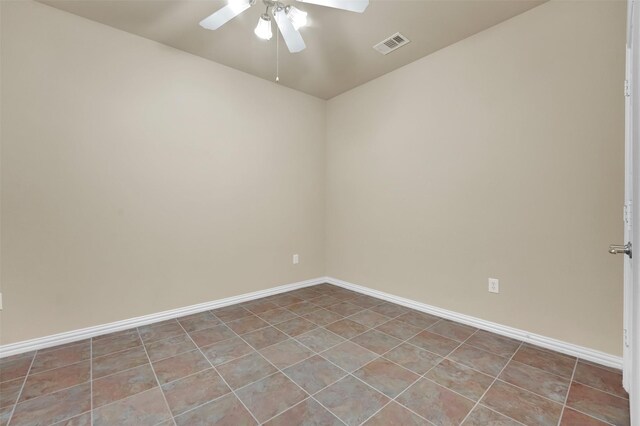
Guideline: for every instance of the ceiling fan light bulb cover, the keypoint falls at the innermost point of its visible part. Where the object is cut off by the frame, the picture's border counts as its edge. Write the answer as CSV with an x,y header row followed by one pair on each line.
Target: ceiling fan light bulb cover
x,y
263,29
297,17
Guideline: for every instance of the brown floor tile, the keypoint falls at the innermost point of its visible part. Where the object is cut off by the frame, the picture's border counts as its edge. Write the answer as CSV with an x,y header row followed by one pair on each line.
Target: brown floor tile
x,y
452,330
194,390
536,381
324,301
376,341
247,324
245,370
314,374
113,363
146,408
344,308
5,413
574,418
169,347
552,362
306,413
396,414
435,403
78,343
53,407
121,333
306,293
23,355
418,319
493,343
320,339
322,317
598,404
154,332
521,405
286,300
81,420
601,379
226,350
483,361
366,301
399,329
302,308
482,416
179,366
387,377
59,358
259,307
118,343
231,313
296,326
14,369
212,335
390,310
55,380
264,337
369,318
286,353
351,400
277,316
413,358
434,343
346,328
199,321
123,385
460,379
9,391
224,411
349,356
270,396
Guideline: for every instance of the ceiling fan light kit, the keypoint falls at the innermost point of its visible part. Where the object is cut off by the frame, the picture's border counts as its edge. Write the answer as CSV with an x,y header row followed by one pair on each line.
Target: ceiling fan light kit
x,y
289,18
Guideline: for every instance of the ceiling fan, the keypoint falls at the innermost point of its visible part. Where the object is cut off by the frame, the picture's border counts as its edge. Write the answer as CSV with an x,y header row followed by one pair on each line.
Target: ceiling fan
x,y
289,19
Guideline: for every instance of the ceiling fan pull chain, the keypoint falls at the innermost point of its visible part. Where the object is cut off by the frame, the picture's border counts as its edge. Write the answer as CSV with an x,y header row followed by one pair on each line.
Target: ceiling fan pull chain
x,y
277,55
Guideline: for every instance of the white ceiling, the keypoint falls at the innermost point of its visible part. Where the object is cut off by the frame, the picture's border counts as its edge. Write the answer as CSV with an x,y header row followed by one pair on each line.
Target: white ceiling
x,y
339,54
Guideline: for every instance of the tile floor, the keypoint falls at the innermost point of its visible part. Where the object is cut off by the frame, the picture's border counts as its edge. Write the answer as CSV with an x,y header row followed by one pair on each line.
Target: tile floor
x,y
320,355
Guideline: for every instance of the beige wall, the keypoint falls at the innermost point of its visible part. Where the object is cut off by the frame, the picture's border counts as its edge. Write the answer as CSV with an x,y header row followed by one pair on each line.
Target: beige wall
x,y
138,178
500,156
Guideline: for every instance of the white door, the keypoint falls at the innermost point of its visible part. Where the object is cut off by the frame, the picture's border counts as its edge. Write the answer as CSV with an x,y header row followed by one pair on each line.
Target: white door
x,y
628,203
631,348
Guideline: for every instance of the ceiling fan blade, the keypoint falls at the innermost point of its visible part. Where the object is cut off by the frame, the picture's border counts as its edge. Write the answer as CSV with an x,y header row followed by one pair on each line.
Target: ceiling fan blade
x,y
350,5
222,16
291,36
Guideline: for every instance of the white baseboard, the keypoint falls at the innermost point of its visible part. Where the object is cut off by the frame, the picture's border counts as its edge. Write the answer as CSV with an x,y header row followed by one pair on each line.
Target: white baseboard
x,y
535,339
85,333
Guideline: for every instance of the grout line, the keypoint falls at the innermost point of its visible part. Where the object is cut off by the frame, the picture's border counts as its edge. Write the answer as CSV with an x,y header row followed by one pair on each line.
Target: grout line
x,y
492,383
157,381
217,372
420,376
499,413
600,390
91,379
15,405
566,397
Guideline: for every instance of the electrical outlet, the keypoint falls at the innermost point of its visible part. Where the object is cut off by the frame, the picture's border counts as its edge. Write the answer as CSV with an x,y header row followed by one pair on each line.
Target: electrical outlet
x,y
494,285
296,259
0,301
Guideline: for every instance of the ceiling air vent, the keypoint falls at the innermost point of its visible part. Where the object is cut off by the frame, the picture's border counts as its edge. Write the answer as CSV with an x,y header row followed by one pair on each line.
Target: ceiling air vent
x,y
392,43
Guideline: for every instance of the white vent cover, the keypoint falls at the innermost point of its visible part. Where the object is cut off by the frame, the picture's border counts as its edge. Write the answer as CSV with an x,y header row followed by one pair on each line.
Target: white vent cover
x,y
392,43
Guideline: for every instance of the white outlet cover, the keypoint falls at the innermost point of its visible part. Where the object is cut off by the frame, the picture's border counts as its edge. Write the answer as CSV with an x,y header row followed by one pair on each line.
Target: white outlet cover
x,y
296,259
494,285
